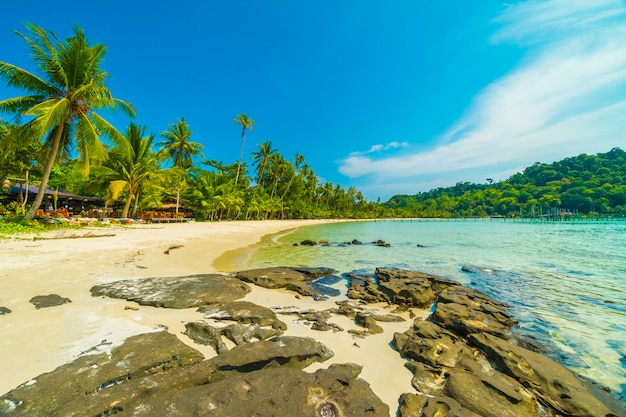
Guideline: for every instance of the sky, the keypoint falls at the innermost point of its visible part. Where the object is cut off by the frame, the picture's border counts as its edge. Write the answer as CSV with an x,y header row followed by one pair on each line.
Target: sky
x,y
395,97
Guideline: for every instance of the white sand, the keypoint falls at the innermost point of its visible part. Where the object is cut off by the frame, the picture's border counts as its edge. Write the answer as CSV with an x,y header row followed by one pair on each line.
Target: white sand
x,y
35,341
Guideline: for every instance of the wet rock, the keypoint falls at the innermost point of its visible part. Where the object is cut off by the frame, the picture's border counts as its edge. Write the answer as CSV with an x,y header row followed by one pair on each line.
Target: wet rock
x,y
363,287
356,242
72,389
403,287
243,312
289,278
308,242
468,311
51,300
175,292
4,310
556,385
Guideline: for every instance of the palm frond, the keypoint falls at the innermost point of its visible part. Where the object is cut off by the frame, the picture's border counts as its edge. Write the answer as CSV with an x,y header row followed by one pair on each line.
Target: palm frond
x,y
49,114
26,80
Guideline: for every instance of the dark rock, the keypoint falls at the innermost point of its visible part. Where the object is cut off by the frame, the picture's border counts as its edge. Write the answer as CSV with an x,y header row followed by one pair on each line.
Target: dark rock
x,y
280,277
556,385
314,272
243,312
172,292
82,387
431,344
240,334
4,310
356,242
411,405
205,334
364,287
51,300
468,311
308,242
406,287
331,392
369,322
295,352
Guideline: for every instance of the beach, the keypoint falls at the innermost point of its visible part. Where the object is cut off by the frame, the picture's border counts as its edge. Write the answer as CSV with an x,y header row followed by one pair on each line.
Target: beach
x,y
69,263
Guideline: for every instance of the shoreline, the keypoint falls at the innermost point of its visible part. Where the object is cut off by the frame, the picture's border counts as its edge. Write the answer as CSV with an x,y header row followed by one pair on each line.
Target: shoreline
x,y
37,341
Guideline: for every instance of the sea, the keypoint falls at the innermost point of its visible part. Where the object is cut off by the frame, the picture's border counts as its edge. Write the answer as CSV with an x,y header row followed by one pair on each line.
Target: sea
x,y
565,281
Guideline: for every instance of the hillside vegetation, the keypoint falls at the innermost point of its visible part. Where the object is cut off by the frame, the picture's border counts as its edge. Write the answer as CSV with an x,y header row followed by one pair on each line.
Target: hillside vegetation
x,y
583,184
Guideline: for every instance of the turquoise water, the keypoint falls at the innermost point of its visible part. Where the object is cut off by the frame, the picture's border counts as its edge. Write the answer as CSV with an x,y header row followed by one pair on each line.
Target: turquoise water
x,y
565,282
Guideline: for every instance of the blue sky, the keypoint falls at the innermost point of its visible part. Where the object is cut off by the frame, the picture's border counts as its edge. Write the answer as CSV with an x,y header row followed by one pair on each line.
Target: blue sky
x,y
389,97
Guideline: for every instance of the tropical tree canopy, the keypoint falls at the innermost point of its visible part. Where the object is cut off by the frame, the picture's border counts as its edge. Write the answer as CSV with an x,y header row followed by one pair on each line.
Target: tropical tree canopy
x,y
246,123
60,103
179,147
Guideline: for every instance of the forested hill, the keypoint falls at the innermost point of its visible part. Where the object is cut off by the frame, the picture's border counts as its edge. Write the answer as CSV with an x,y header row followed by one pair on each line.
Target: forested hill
x,y
585,184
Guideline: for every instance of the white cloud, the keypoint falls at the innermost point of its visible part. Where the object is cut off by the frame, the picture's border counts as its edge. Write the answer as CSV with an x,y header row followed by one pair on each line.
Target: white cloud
x,y
567,97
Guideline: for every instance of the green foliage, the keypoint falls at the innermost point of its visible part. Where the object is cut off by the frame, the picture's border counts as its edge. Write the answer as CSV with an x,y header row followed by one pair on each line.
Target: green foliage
x,y
584,184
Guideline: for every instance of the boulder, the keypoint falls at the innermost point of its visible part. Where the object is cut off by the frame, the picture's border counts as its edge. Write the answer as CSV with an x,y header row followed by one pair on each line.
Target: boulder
x,y
468,311
4,310
51,300
280,277
402,287
71,389
239,334
175,292
556,385
207,335
243,312
333,392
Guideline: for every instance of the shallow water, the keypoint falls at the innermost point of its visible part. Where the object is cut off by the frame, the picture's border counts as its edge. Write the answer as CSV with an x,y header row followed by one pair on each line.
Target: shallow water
x,y
565,282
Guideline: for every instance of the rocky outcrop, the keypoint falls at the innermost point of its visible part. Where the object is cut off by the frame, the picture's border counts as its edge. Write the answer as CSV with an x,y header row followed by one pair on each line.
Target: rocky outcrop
x,y
304,281
156,374
397,286
243,312
465,362
175,292
50,300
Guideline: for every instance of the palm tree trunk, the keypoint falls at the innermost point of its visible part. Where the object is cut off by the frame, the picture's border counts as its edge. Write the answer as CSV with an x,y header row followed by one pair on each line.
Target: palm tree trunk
x,y
129,196
243,141
56,140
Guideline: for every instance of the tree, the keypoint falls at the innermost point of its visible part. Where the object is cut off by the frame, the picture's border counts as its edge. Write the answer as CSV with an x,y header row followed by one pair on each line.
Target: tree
x,y
261,159
61,103
181,151
178,146
131,163
246,123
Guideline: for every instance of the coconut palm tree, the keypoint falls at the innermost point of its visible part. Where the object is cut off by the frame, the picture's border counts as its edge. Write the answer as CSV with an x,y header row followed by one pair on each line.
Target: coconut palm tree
x,y
61,101
246,123
261,159
181,151
131,163
178,146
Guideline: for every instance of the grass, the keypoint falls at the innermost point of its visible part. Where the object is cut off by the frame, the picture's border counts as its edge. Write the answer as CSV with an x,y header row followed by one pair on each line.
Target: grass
x,y
14,226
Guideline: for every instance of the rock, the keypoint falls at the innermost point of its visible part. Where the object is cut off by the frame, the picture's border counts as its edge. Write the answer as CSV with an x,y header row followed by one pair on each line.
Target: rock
x,y
557,386
282,277
239,334
411,405
331,392
431,344
243,312
205,334
295,352
308,242
363,287
51,300
175,292
406,287
77,388
356,242
4,310
369,322
468,311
